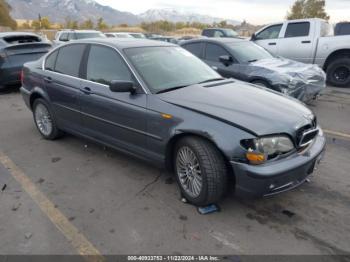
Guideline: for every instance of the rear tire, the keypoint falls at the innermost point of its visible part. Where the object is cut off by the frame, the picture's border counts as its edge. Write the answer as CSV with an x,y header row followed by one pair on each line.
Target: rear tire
x,y
338,72
199,162
44,120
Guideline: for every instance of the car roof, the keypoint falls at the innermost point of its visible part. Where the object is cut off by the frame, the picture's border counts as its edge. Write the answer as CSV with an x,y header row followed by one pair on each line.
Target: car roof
x,y
221,40
217,28
5,34
121,43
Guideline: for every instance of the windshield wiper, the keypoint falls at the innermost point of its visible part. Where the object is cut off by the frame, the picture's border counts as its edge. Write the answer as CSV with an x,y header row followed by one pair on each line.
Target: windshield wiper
x,y
171,89
211,80
252,61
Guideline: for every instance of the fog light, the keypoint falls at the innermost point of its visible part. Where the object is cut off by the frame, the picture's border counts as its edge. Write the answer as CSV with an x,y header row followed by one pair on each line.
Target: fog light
x,y
255,158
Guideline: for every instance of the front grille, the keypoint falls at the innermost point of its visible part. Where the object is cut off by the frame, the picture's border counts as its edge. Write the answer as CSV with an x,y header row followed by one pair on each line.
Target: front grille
x,y
307,137
307,133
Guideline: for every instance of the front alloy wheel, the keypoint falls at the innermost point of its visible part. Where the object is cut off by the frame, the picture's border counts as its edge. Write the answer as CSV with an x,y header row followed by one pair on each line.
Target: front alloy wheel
x,y
200,170
189,172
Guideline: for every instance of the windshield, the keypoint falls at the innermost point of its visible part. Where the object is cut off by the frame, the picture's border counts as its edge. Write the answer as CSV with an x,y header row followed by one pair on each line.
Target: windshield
x,y
169,67
230,33
89,35
248,52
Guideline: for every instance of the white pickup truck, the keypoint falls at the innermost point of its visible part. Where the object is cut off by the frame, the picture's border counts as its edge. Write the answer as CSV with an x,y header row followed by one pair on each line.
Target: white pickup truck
x,y
309,41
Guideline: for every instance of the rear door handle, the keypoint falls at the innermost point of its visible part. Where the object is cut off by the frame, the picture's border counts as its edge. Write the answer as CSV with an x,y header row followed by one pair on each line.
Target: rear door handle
x,y
86,90
306,42
272,43
48,79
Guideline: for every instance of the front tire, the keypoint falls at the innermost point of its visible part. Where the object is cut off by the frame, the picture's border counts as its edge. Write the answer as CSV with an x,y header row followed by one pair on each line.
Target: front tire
x,y
200,171
338,72
44,120
261,83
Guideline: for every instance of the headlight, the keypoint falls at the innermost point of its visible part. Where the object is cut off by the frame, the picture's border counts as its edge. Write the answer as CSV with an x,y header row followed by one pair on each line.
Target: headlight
x,y
261,149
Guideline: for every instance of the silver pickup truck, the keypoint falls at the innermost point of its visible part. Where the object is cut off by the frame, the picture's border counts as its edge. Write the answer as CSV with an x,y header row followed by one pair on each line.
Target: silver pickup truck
x,y
309,41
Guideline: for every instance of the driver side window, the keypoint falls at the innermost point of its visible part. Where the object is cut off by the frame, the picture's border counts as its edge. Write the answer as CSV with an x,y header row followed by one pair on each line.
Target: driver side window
x,y
218,34
105,64
271,32
213,52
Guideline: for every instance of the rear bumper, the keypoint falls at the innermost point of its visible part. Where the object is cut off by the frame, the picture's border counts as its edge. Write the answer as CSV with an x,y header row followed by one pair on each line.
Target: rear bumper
x,y
278,176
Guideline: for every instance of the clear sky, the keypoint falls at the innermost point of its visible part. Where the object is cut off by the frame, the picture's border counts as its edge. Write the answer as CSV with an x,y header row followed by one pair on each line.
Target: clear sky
x,y
254,11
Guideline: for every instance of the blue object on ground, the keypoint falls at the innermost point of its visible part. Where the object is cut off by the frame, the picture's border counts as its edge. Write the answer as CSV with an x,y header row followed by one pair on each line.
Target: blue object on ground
x,y
208,209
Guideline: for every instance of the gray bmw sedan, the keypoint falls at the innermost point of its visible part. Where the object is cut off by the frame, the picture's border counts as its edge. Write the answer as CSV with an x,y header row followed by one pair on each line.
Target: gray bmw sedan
x,y
158,102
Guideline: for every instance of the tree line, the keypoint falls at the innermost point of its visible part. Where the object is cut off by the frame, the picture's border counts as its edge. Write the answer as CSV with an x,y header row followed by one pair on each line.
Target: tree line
x,y
5,18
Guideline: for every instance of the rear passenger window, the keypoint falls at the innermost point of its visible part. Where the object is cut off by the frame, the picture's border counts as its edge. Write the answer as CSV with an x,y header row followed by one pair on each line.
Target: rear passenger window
x,y
105,65
50,61
213,52
195,48
298,29
68,59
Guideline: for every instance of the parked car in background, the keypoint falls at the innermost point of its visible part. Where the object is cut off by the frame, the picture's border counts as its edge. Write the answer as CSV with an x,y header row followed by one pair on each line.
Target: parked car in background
x,y
310,41
118,35
17,48
150,35
246,61
157,101
187,37
165,39
342,28
64,36
137,35
220,32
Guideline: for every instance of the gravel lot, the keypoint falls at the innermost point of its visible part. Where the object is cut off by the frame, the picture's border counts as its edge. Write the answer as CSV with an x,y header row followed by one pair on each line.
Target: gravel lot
x,y
124,206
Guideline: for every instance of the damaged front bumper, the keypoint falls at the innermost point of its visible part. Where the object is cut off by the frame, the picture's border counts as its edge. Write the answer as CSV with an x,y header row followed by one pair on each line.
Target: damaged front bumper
x,y
280,175
306,92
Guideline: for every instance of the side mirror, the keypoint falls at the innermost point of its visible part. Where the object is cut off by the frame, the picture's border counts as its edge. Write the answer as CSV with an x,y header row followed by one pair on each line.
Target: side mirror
x,y
226,60
122,86
253,38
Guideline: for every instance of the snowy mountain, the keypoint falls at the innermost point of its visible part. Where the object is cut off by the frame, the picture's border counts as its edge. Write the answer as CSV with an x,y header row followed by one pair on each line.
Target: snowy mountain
x,y
59,10
177,16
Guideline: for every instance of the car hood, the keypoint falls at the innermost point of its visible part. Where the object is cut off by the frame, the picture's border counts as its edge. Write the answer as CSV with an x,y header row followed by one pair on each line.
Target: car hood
x,y
253,109
302,81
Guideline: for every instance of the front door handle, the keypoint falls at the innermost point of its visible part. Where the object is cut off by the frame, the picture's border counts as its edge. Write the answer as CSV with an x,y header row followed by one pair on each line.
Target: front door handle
x,y
306,42
48,79
86,90
272,43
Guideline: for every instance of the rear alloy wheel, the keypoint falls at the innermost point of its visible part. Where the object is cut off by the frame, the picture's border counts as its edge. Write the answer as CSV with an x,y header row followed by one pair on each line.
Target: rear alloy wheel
x,y
200,171
338,72
44,120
